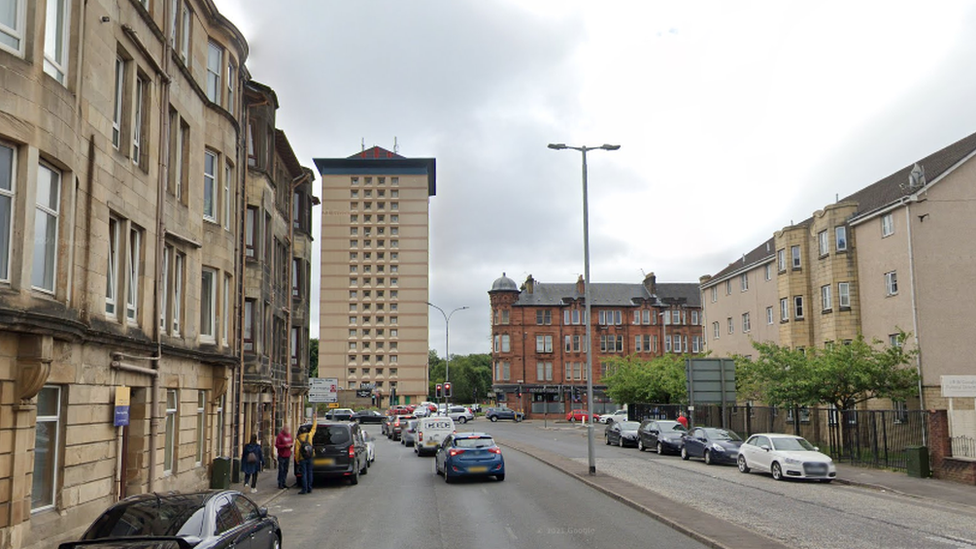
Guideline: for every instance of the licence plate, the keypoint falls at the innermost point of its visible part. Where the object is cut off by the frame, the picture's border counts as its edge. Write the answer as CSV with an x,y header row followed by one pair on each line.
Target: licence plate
x,y
323,461
478,469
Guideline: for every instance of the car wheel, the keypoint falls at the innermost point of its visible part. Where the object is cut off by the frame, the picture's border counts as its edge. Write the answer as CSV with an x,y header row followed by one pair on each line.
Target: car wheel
x,y
708,458
640,445
463,420
365,469
743,466
684,453
276,542
447,476
608,440
500,477
354,479
620,442
660,449
777,471
493,419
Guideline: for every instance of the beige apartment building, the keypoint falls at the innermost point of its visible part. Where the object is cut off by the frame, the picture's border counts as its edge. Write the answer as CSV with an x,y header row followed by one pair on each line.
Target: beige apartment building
x,y
887,258
373,313
121,250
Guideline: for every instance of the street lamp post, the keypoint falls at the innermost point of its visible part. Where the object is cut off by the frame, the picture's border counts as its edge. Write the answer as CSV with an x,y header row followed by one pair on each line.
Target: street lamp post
x,y
447,340
590,448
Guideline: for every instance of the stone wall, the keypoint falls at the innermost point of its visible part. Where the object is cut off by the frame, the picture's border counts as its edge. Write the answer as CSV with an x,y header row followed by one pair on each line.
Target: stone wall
x,y
945,466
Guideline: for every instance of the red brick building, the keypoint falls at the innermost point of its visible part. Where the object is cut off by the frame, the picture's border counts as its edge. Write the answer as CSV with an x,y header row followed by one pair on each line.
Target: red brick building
x,y
539,336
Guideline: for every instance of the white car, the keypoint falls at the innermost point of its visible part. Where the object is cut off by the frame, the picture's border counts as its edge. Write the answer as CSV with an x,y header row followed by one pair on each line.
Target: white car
x,y
370,447
785,456
619,415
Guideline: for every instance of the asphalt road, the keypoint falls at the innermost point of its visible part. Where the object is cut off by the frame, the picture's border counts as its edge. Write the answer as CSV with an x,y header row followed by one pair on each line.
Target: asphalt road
x,y
799,514
402,503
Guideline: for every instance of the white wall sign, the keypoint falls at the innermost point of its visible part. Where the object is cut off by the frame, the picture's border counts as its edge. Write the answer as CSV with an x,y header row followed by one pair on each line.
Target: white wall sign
x,y
958,386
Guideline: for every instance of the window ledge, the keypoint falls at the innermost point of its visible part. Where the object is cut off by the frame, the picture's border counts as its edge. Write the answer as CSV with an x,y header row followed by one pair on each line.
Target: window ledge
x,y
826,311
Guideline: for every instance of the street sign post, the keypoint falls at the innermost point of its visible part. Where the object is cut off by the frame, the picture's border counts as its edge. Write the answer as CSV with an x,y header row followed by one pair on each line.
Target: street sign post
x,y
122,406
323,389
711,381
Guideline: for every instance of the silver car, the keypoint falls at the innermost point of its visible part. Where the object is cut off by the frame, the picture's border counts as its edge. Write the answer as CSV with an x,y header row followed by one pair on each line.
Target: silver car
x,y
408,436
460,414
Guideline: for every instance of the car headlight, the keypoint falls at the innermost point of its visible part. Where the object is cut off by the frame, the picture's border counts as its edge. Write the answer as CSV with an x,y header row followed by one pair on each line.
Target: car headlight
x,y
717,447
792,461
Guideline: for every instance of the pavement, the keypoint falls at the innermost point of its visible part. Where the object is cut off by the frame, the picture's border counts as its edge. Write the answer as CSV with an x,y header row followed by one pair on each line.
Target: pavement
x,y
267,485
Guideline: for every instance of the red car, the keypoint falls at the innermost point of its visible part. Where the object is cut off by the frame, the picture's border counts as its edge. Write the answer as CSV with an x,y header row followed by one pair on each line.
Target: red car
x,y
580,415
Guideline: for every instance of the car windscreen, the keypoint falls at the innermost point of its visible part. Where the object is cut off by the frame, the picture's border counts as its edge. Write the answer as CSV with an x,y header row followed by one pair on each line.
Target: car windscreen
x,y
178,515
671,426
481,442
791,444
629,425
722,434
331,434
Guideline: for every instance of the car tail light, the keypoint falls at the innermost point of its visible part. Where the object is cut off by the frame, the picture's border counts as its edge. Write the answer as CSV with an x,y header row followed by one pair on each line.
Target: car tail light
x,y
495,450
420,436
352,451
397,424
456,451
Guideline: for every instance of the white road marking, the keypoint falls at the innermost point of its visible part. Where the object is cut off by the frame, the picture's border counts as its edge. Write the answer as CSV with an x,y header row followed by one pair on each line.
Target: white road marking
x,y
511,534
962,544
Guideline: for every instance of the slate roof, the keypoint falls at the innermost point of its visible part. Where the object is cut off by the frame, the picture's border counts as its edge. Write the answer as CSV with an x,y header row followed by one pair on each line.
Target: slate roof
x,y
608,294
754,256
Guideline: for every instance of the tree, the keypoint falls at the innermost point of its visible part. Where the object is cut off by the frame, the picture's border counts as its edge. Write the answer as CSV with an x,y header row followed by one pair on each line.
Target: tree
x,y
661,380
313,357
470,375
841,375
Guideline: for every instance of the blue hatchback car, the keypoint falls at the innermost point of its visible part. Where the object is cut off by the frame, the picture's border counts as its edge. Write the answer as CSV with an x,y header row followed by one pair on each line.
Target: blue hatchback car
x,y
469,454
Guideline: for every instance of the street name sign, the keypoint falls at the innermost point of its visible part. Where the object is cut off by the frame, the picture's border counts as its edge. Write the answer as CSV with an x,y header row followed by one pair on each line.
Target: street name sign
x,y
323,389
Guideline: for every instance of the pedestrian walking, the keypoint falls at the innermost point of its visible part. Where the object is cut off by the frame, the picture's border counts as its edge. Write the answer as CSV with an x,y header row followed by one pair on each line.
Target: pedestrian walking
x,y
283,445
683,419
252,461
305,452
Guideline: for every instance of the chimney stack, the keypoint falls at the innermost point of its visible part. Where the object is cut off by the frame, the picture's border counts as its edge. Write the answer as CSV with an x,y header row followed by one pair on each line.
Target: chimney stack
x,y
650,283
529,284
580,285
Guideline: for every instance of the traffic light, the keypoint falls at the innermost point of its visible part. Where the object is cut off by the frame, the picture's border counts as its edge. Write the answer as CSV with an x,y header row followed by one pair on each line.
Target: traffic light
x,y
448,393
518,393
437,390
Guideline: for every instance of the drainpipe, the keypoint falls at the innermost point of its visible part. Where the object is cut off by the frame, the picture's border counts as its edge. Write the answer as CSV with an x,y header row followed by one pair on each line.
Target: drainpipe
x,y
911,282
291,276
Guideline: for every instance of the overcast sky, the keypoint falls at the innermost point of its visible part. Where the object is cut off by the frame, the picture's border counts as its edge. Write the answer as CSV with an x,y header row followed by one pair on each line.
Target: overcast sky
x,y
734,119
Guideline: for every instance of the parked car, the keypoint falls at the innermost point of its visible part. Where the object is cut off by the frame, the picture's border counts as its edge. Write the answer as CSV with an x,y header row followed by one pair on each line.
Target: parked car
x,y
368,416
712,444
395,430
340,451
217,518
408,433
622,433
785,456
339,414
469,454
580,415
494,414
370,441
476,408
664,436
619,415
431,432
460,414
399,411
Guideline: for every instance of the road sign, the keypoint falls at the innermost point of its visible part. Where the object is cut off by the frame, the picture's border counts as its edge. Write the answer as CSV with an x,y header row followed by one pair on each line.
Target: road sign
x,y
710,380
122,406
323,389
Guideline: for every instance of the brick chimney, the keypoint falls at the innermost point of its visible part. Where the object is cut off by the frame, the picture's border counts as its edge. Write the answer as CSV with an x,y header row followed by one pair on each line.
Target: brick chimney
x,y
650,283
580,286
529,284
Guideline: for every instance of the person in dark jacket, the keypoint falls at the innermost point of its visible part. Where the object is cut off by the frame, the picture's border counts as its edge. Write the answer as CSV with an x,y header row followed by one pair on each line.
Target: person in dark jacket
x,y
252,461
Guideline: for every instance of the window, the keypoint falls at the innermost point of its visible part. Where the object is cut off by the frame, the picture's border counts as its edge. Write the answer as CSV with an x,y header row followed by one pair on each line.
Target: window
x,y
210,186
117,102
12,26
895,341
543,317
694,318
185,35
696,344
768,271
714,294
112,273
230,86
208,302
215,62
138,121
576,343
840,236
676,318
164,294
744,282
219,438
179,141
170,442
505,316
795,254
180,261
844,295
225,315
891,283
227,196
728,287
251,231
769,315
784,309
825,297
576,316
133,259
7,171
55,36
715,330
46,214
798,306
667,343
646,316
823,243
731,326
543,344
506,343
887,225
781,260
201,425
47,443
637,343
746,323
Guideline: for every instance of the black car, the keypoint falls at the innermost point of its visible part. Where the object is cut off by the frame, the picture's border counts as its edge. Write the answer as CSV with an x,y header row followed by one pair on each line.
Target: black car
x,y
622,433
494,414
202,520
340,451
368,416
711,444
339,414
661,435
